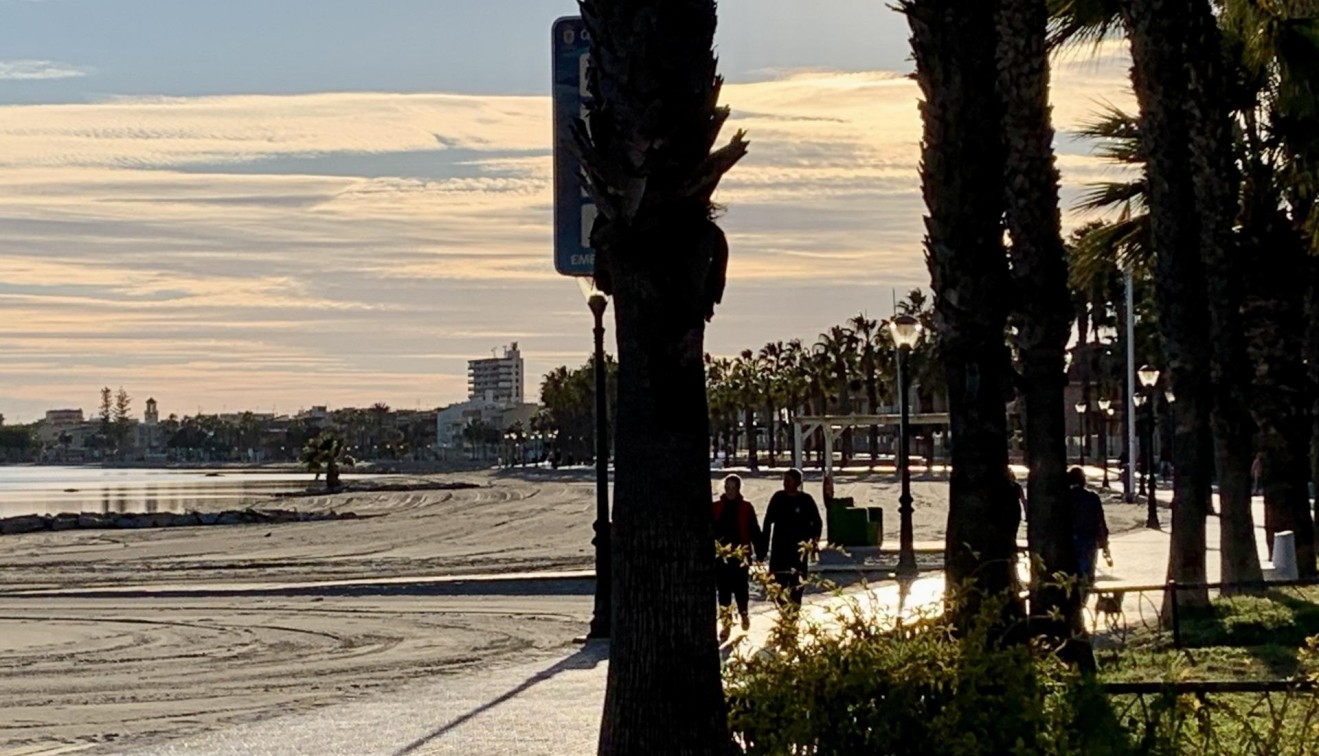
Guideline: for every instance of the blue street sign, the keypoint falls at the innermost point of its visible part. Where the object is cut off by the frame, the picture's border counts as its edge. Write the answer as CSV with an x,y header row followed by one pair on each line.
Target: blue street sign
x,y
574,211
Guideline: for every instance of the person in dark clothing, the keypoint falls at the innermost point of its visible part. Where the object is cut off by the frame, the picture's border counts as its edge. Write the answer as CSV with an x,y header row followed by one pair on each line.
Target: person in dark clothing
x,y
737,531
1020,493
792,527
1089,529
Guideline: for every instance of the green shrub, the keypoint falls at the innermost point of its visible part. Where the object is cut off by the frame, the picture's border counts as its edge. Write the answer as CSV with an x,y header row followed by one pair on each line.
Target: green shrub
x,y
865,684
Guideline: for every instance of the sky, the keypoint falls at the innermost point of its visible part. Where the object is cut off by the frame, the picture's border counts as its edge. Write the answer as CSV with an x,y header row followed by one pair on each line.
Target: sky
x,y
274,204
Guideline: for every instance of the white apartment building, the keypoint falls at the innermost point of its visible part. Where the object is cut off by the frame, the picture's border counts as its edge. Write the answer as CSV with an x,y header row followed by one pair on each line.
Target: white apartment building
x,y
497,380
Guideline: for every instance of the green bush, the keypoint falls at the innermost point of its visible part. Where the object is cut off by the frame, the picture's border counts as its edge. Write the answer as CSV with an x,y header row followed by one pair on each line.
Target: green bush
x,y
863,684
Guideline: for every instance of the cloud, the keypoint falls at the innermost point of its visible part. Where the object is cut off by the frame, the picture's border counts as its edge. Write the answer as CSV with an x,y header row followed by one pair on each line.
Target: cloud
x,y
33,70
352,247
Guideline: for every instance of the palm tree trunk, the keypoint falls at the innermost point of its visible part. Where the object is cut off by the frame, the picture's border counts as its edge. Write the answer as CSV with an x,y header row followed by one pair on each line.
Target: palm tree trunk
x,y
1038,267
648,156
771,429
1312,361
1157,45
1275,315
1214,169
962,175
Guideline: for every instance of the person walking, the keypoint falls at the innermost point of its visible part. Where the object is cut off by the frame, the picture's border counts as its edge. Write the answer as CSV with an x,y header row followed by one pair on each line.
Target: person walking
x,y
1020,493
792,528
737,534
1089,529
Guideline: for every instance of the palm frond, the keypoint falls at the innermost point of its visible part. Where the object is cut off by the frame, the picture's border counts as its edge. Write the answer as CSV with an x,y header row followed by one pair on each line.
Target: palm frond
x,y
1123,244
1078,23
1128,195
1118,134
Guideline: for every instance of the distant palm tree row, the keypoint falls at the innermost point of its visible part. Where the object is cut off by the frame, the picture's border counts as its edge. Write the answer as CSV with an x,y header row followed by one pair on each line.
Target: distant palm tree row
x,y
849,369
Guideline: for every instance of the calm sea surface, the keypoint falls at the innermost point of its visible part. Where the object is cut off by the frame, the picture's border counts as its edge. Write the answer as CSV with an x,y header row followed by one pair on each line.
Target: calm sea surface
x,y
51,490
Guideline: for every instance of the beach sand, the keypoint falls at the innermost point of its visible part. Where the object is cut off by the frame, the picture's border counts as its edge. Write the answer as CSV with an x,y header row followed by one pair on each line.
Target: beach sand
x,y
83,668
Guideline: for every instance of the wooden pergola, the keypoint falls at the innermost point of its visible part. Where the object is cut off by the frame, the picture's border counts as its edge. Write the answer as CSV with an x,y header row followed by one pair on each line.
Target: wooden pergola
x,y
832,425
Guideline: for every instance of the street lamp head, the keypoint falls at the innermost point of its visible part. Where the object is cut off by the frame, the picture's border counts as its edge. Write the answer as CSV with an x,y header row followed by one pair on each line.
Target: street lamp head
x,y
1139,399
1081,407
1105,405
906,330
1149,375
1170,396
595,299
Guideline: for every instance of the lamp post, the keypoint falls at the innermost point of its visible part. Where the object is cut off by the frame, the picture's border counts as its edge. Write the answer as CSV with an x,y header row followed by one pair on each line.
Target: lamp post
x,y
1105,411
600,620
906,331
1081,408
1149,378
1171,398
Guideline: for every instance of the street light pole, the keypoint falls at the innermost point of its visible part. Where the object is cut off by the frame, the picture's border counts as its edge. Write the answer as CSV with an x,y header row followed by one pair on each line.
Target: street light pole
x,y
1149,378
1081,408
603,610
600,621
906,331
1105,411
1152,518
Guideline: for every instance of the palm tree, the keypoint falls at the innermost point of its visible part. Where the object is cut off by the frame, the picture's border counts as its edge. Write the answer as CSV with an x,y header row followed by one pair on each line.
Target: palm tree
x,y
796,383
837,347
651,170
1158,45
749,392
818,371
866,335
1216,190
721,396
326,453
1276,78
1218,204
770,363
962,178
1043,312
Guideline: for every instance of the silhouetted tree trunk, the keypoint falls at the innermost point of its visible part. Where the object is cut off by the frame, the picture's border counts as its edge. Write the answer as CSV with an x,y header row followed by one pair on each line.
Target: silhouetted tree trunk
x,y
1276,333
962,178
1216,191
654,121
1312,362
1043,301
1156,30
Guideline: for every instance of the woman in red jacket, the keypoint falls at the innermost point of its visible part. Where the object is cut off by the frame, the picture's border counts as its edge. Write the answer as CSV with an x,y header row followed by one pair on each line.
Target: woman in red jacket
x,y
735,528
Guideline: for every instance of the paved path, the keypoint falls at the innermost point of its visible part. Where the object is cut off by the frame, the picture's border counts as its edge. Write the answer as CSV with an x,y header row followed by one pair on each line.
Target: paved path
x,y
551,704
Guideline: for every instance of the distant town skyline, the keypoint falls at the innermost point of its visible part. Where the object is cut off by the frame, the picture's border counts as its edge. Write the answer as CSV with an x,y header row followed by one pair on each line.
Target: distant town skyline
x,y
254,205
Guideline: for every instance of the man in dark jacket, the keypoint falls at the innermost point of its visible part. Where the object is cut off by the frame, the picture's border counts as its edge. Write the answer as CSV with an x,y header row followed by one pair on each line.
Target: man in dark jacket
x,y
1089,528
792,528
737,533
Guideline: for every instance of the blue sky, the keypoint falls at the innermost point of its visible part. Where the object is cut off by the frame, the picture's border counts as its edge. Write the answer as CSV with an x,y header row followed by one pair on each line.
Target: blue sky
x,y
191,47
296,202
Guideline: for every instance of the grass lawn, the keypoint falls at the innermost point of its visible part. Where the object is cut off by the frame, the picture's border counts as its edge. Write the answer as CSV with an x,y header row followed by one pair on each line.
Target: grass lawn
x,y
1246,637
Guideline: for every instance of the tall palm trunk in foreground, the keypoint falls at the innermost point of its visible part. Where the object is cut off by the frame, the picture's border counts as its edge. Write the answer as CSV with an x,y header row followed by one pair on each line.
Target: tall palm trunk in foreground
x,y
1214,169
648,159
1039,270
962,178
1156,30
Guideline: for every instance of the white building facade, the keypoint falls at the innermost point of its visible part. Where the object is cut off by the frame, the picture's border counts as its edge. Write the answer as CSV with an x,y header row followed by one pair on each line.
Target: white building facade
x,y
499,380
